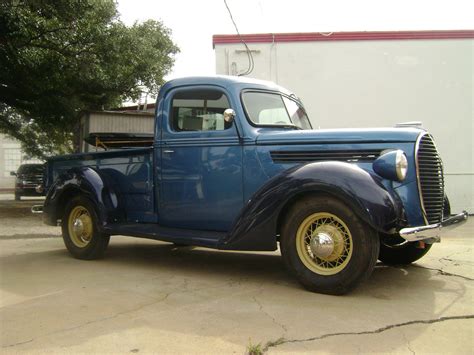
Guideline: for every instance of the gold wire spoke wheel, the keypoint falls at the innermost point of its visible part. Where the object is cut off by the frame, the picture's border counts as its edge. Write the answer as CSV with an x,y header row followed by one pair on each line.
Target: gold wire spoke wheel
x,y
324,243
80,226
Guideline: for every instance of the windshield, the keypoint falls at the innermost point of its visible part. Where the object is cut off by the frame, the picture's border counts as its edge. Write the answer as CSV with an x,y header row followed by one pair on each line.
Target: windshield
x,y
31,169
274,109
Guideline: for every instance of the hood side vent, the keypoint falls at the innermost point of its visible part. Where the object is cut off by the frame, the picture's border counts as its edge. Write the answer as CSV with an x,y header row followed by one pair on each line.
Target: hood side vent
x,y
350,156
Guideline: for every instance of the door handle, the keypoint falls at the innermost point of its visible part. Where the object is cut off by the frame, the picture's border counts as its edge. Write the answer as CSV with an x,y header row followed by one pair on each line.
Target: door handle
x,y
168,151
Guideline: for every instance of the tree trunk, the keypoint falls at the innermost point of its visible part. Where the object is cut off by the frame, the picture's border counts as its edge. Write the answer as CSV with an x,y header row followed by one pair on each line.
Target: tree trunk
x,y
78,135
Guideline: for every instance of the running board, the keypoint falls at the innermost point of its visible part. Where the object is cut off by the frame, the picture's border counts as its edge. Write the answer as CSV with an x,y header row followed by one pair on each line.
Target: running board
x,y
209,239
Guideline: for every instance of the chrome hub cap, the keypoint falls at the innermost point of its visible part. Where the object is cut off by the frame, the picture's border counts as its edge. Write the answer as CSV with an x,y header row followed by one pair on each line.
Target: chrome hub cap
x,y
322,245
80,226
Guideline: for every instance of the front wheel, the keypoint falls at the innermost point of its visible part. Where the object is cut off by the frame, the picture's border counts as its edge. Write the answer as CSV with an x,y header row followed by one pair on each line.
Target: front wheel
x,y
80,230
395,251
326,246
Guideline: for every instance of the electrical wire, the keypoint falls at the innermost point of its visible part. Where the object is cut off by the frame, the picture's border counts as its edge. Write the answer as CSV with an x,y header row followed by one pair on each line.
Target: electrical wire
x,y
249,53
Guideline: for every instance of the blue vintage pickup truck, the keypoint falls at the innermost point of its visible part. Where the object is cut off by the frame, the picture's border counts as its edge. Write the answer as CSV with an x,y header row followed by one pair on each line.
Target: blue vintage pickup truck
x,y
236,165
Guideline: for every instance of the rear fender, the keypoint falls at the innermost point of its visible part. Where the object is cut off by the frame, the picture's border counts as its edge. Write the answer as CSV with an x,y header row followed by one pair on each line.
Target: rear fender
x,y
90,183
256,227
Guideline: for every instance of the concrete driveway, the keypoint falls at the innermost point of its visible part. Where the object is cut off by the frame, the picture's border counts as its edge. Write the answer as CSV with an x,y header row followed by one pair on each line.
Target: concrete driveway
x,y
150,297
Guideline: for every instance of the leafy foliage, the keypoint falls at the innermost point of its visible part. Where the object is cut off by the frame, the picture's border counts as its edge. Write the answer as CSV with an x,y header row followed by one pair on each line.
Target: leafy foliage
x,y
59,58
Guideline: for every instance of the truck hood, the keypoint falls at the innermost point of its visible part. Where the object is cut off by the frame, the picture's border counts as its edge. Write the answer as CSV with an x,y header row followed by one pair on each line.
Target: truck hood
x,y
373,135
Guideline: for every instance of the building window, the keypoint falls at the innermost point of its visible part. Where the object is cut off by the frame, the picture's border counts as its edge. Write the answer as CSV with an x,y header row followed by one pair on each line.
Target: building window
x,y
12,160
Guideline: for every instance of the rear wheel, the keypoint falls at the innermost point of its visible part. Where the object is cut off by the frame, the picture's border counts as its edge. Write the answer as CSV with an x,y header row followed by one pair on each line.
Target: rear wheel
x,y
326,246
80,231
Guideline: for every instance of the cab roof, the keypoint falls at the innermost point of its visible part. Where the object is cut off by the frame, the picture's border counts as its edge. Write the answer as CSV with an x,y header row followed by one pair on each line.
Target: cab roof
x,y
225,81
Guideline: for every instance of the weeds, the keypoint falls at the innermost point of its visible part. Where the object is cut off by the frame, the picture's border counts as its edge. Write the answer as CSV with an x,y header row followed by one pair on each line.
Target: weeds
x,y
257,349
254,349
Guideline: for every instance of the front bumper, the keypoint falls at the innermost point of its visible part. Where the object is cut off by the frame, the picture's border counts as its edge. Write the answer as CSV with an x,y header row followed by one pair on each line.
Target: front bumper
x,y
433,232
27,191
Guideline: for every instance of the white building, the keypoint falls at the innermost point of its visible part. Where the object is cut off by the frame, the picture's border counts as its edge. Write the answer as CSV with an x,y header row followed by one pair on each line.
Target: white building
x,y
374,79
11,157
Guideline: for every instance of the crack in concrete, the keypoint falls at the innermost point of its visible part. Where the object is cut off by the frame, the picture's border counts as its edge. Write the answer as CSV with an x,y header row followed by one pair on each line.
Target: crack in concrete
x,y
449,258
113,316
92,321
367,332
282,326
185,285
19,343
459,252
455,262
408,344
442,272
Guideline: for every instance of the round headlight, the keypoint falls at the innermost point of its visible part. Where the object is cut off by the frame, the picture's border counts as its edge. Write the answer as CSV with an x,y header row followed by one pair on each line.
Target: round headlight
x,y
401,164
391,164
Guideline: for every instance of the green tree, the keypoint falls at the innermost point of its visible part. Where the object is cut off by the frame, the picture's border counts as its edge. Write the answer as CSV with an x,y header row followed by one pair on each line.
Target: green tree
x,y
59,58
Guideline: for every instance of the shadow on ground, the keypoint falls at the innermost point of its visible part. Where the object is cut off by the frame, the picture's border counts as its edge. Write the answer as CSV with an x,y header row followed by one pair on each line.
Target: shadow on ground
x,y
156,288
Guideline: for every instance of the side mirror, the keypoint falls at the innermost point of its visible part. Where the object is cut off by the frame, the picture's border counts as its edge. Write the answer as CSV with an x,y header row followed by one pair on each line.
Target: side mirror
x,y
12,173
229,115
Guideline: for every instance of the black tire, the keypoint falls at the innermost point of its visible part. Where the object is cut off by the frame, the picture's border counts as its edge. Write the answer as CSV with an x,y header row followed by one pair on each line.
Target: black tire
x,y
355,265
394,253
17,196
393,250
86,246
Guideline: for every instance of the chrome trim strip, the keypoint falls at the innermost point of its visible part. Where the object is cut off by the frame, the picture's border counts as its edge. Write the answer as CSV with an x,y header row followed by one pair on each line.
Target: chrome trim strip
x,y
306,156
433,231
417,171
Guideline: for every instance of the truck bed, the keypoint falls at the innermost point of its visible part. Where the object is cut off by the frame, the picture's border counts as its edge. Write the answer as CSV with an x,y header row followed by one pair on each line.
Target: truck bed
x,y
129,172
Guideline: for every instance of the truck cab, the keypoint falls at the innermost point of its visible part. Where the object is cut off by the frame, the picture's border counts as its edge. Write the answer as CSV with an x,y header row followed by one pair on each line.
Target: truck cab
x,y
236,165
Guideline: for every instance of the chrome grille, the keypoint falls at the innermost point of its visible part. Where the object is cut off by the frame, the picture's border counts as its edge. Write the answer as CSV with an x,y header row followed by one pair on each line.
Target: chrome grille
x,y
430,179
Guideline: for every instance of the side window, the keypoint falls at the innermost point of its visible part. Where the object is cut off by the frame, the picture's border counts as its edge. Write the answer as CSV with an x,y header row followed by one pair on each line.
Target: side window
x,y
199,110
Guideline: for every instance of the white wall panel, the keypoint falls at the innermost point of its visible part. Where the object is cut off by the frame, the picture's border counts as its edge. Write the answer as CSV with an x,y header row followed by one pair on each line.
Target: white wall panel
x,y
120,123
379,83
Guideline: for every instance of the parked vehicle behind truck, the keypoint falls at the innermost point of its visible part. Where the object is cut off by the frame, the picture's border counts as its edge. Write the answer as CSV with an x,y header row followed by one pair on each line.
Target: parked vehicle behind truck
x,y
235,165
27,178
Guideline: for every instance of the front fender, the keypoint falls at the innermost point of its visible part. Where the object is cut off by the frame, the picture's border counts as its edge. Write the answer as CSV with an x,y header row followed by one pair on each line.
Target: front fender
x,y
88,182
257,225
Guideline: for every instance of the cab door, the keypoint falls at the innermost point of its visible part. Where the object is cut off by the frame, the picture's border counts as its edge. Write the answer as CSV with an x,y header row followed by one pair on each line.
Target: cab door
x,y
201,161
